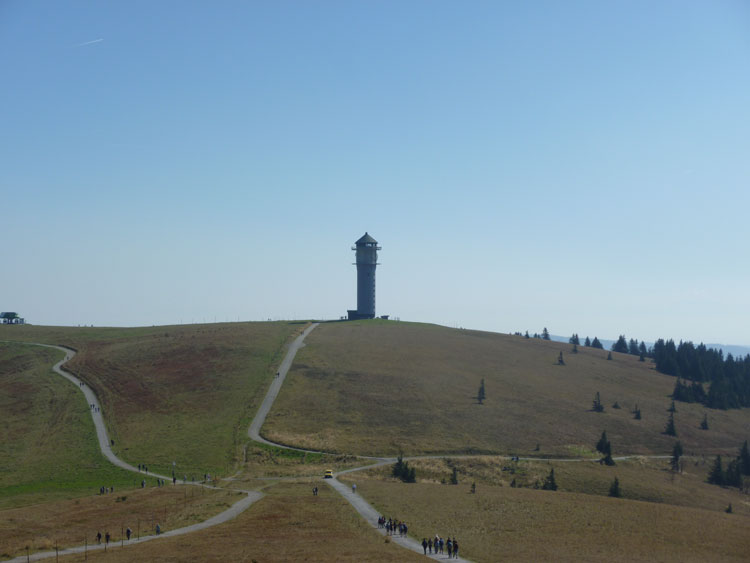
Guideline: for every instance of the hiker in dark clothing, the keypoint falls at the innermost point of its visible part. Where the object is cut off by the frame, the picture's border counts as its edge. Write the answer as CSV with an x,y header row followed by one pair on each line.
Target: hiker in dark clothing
x,y
455,548
98,537
449,545
429,545
106,537
424,545
128,533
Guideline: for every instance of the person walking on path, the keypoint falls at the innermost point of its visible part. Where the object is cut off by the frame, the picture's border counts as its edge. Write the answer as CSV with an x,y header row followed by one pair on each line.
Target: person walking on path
x,y
455,548
354,488
99,537
128,533
424,545
106,538
158,529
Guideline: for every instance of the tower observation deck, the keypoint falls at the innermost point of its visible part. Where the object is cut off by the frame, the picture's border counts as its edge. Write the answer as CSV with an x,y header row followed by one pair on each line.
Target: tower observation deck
x,y
366,249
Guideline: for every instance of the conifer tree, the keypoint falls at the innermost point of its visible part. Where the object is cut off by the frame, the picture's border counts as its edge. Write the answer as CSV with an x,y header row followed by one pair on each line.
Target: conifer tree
x,y
560,360
549,482
596,344
670,430
744,459
545,334
733,475
704,422
609,355
621,345
614,489
587,342
574,339
526,335
480,394
642,357
637,413
716,475
676,454
454,477
597,405
672,407
601,445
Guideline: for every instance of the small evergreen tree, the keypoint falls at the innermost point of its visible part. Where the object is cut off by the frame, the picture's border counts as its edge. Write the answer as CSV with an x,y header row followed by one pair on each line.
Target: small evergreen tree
x,y
642,357
526,335
473,488
643,350
560,360
549,482
597,405
744,459
614,489
716,475
587,342
545,334
481,394
676,454
596,344
454,477
672,407
601,445
609,355
670,430
615,405
637,413
633,347
733,475
729,509
704,422
574,340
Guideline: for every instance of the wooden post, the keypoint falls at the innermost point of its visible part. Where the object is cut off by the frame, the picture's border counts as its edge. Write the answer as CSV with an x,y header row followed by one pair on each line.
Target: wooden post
x,y
85,549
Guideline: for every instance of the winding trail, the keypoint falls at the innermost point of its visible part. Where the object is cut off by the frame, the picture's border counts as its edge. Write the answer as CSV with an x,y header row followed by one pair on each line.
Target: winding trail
x,y
360,505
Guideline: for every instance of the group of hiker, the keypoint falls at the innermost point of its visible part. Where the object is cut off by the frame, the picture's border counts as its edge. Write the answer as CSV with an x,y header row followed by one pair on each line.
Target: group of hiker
x,y
128,534
392,526
438,544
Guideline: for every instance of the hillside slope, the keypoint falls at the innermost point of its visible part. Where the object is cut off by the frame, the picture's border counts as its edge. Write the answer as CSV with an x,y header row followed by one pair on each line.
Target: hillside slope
x,y
380,387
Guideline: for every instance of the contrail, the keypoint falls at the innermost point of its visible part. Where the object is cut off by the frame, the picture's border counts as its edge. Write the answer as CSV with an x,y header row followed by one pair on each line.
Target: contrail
x,y
90,42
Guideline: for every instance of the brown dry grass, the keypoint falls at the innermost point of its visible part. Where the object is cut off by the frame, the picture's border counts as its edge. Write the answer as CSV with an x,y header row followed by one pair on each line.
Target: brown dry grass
x,y
377,387
68,522
511,524
289,524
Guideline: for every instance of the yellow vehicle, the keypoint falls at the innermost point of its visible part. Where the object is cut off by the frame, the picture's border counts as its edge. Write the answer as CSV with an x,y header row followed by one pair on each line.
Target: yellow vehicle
x,y
329,474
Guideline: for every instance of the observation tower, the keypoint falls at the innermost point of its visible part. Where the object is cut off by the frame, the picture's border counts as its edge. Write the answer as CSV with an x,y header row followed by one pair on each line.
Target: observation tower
x,y
366,249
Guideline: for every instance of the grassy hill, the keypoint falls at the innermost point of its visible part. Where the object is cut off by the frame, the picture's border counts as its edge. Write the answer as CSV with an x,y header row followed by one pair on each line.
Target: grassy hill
x,y
177,393
380,387
48,448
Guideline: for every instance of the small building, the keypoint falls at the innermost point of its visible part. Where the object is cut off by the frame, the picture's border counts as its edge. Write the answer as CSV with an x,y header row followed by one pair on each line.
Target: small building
x,y
11,319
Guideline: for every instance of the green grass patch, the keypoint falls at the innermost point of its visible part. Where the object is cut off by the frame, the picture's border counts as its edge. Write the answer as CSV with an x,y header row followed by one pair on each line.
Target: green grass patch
x,y
49,448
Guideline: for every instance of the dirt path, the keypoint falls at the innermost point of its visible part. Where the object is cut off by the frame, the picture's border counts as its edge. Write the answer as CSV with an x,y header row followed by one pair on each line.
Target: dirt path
x,y
106,448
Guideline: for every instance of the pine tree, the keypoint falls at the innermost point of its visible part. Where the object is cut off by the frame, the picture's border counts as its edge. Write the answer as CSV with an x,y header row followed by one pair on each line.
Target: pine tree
x,y
633,347
549,482
587,342
545,334
609,355
672,408
642,357
481,394
676,454
733,475
744,459
526,335
454,477
670,430
560,360
597,405
574,340
621,345
716,475
614,489
637,413
601,445
596,344
704,422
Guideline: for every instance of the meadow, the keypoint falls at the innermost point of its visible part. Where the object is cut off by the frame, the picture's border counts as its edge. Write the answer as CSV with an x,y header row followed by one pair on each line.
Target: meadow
x,y
48,448
384,387
182,394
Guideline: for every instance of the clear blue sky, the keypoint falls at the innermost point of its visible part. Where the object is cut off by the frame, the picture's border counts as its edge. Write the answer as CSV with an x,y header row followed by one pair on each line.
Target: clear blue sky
x,y
583,166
